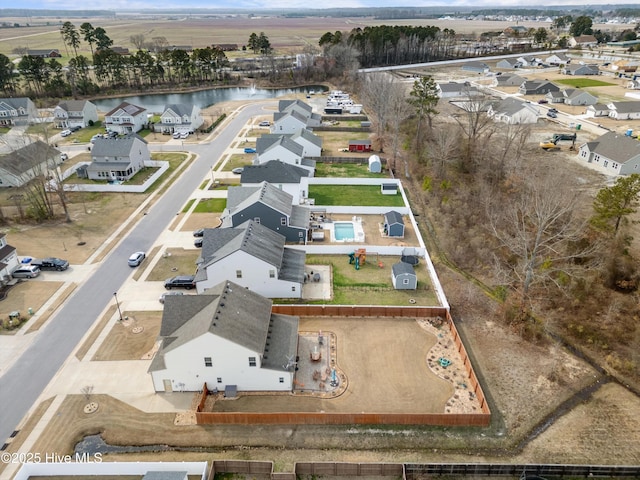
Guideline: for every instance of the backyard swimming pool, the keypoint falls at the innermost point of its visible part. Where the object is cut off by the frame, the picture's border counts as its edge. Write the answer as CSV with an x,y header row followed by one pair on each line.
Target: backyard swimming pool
x,y
343,231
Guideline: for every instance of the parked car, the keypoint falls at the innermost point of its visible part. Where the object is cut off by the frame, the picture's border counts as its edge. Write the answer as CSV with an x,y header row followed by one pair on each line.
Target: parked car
x,y
198,242
249,150
65,133
176,135
26,271
184,135
554,110
167,294
238,170
63,157
75,128
136,259
111,134
95,137
50,263
180,281
551,114
199,232
542,100
264,123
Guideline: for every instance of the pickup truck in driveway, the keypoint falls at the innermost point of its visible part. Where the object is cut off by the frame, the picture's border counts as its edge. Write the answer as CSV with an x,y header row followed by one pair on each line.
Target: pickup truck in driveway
x,y
51,263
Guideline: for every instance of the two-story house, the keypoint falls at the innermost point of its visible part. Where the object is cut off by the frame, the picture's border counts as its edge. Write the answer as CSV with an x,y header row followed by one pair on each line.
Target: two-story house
x,y
270,206
284,149
225,338
126,118
282,175
180,118
23,164
75,113
17,111
8,259
117,158
254,257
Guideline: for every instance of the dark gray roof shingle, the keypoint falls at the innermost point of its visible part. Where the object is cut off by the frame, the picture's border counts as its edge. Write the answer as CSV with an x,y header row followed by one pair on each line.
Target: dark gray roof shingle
x,y
273,171
22,160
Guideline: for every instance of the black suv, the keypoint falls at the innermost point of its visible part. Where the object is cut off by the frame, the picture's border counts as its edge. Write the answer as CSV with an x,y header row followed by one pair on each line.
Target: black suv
x,y
181,281
51,264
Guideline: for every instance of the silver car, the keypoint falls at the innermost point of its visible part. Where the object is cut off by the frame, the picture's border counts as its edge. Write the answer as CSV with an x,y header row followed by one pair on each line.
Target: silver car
x,y
26,271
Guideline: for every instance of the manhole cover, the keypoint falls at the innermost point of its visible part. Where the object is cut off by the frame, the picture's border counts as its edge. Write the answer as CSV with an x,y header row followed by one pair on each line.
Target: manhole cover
x,y
137,329
91,407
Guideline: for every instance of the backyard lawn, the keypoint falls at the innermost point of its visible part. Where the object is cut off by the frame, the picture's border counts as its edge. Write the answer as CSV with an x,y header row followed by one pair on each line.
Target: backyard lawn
x,y
356,195
584,82
345,170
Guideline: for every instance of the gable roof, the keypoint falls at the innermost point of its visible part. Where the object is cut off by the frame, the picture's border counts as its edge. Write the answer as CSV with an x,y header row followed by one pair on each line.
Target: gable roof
x,y
288,105
239,198
509,106
73,105
598,107
585,39
23,159
510,61
278,116
309,136
401,268
288,144
393,216
15,103
274,171
572,93
180,109
626,107
115,147
227,310
126,108
615,146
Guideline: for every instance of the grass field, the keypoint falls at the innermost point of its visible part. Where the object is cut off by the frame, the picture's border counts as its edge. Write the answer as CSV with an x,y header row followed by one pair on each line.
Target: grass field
x,y
211,205
357,195
176,261
346,170
584,82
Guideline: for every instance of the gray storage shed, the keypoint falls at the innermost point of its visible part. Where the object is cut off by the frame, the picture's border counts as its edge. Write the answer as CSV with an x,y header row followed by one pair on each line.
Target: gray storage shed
x,y
394,224
375,165
403,276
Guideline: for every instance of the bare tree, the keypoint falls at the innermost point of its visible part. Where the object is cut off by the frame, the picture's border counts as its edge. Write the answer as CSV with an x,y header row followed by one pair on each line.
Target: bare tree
x,y
539,233
399,111
443,148
137,40
507,148
376,90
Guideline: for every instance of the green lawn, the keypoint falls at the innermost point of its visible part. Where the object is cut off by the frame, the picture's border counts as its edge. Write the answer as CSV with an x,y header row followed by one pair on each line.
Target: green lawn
x,y
357,195
346,170
584,82
211,205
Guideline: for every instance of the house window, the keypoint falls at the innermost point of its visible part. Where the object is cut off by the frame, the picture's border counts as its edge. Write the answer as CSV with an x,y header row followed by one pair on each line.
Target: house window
x,y
281,379
257,219
238,273
272,274
301,234
219,380
606,163
283,220
208,362
293,288
405,281
252,361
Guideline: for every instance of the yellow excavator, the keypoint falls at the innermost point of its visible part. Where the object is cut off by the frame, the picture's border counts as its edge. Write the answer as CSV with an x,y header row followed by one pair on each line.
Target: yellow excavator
x,y
552,143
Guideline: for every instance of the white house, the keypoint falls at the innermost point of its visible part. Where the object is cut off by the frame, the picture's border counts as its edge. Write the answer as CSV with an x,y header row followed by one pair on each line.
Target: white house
x,y
577,96
180,118
20,166
117,158
455,90
17,111
288,122
311,143
226,337
513,111
253,256
624,110
613,154
126,118
284,149
597,110
583,41
75,113
509,63
279,174
8,259
581,70
509,80
558,59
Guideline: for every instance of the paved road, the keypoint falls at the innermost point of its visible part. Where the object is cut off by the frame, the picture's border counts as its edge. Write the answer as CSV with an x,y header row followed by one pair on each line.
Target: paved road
x,y
22,384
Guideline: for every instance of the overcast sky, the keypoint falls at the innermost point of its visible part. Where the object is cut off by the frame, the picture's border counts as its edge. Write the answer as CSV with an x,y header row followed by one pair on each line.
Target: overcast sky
x,y
271,4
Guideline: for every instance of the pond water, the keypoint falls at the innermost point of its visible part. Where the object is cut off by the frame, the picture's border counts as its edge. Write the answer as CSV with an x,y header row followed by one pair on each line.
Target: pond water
x,y
155,103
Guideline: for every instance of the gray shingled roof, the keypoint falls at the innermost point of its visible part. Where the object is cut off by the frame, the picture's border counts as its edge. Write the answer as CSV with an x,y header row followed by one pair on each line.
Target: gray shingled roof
x,y
307,162
292,267
288,105
509,106
114,147
616,147
627,107
265,141
273,171
127,108
23,159
72,105
309,136
227,310
179,109
300,216
239,198
282,342
155,475
402,268
16,103
252,238
288,144
392,217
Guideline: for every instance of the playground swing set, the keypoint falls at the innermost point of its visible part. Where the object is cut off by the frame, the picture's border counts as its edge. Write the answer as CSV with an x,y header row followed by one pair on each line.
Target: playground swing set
x,y
359,258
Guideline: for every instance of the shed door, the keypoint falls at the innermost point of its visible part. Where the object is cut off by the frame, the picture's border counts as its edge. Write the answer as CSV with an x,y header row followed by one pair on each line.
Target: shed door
x,y
167,385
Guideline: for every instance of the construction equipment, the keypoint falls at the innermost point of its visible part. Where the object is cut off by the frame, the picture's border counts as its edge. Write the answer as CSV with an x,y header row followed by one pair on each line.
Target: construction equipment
x,y
552,143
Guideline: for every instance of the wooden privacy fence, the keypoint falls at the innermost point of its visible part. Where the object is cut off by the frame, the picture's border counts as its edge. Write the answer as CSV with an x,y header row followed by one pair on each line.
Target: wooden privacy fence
x,y
358,160
350,469
295,418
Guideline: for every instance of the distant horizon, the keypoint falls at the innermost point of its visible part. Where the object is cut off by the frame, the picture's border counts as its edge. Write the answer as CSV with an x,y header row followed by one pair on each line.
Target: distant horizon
x,y
249,6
